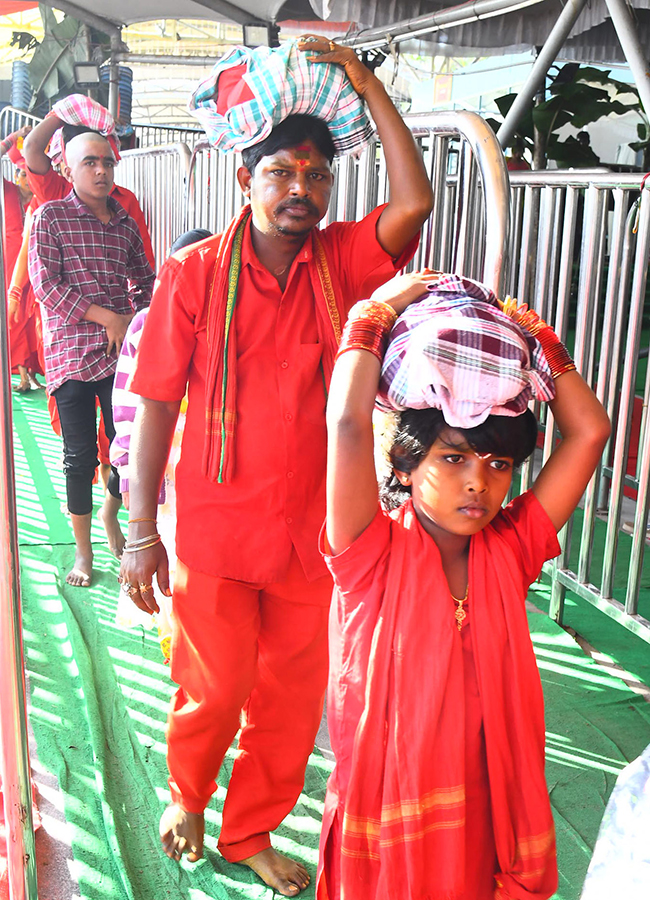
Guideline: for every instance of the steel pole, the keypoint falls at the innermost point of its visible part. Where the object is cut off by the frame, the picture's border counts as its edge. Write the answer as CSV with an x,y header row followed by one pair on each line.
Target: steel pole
x,y
114,76
14,749
494,177
543,63
628,35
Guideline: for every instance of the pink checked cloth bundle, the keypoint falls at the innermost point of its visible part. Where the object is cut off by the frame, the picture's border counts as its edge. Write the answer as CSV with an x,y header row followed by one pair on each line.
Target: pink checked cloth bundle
x,y
455,350
78,109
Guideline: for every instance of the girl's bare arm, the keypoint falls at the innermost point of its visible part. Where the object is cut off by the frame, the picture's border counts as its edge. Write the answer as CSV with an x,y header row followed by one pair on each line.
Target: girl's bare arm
x,y
584,426
352,492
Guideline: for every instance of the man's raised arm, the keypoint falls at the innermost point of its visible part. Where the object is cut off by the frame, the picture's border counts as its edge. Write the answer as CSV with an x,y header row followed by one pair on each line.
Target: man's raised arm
x,y
411,197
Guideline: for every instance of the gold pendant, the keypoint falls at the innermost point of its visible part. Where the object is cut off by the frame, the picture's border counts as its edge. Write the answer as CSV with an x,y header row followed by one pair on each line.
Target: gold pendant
x,y
459,614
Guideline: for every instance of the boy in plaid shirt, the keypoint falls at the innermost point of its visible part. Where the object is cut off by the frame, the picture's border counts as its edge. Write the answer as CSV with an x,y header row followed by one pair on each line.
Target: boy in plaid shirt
x,y
90,273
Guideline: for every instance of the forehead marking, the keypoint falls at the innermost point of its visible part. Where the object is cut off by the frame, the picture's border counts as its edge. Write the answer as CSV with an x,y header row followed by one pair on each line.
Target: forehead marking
x,y
302,154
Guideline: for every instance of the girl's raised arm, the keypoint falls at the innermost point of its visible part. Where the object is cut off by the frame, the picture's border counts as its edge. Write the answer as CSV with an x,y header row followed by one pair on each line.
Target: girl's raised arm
x,y
584,426
352,492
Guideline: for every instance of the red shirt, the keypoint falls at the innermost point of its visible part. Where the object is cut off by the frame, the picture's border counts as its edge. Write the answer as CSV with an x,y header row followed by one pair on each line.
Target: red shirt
x,y
53,186
245,530
12,237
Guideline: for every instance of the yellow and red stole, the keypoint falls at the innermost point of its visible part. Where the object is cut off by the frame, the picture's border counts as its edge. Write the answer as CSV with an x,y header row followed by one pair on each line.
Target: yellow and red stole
x,y
221,375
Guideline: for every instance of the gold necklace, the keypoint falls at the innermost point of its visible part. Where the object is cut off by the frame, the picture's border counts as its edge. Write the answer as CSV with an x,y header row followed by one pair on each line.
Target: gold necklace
x,y
460,614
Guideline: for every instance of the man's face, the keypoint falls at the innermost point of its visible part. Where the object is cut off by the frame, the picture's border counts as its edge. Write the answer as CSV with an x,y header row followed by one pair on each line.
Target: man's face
x,y
289,191
90,166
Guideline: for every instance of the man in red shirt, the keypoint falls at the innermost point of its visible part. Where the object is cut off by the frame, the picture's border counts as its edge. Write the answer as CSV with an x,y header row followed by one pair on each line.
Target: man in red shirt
x,y
249,322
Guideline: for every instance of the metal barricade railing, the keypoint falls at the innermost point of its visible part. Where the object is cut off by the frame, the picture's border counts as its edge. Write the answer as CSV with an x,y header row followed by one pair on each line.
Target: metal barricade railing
x,y
160,135
579,252
12,119
158,178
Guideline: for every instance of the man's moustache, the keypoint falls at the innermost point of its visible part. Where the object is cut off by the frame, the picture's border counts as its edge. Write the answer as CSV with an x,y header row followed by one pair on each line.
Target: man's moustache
x,y
298,202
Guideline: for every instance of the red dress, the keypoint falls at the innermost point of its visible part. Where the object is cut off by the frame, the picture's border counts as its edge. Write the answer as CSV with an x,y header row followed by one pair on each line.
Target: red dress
x,y
439,786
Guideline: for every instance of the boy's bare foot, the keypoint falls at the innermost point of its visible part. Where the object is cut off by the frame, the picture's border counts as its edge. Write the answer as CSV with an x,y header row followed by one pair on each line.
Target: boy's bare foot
x,y
80,575
182,832
284,875
108,518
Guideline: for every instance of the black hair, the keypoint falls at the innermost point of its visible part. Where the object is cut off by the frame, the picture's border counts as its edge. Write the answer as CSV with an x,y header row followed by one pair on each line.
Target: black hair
x,y
72,131
189,237
418,430
292,131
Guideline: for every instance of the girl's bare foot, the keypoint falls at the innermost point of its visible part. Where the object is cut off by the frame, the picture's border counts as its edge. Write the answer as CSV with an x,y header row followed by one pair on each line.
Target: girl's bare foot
x,y
182,832
284,875
80,575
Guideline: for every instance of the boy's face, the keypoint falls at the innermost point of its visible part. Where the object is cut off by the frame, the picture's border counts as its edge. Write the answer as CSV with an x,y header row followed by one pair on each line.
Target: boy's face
x,y
455,489
289,191
89,165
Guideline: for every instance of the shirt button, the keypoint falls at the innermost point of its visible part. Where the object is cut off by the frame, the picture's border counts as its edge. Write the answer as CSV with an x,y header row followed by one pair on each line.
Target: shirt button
x,y
284,364
288,520
289,474
289,417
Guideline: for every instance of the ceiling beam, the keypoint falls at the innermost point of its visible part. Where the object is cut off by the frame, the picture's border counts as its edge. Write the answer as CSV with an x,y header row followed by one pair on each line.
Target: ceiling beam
x,y
77,12
232,12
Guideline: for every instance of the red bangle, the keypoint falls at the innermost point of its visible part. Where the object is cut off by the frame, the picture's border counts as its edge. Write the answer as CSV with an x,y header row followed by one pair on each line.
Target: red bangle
x,y
368,326
557,355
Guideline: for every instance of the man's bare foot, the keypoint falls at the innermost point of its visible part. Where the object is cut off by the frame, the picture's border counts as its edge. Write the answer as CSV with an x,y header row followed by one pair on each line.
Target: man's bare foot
x,y
284,875
182,832
116,539
80,575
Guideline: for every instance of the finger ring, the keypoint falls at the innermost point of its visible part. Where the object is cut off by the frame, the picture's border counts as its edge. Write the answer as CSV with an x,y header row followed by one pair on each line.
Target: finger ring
x,y
146,587
130,589
332,46
309,39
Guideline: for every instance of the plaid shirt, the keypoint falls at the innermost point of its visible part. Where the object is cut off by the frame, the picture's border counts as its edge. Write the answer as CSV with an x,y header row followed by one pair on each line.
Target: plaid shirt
x,y
75,260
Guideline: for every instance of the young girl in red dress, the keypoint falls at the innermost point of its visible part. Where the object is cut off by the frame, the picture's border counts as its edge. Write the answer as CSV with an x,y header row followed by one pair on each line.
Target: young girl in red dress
x,y
435,705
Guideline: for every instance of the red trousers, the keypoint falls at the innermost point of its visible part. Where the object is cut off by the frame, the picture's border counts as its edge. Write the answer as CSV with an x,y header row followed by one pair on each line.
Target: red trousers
x,y
260,648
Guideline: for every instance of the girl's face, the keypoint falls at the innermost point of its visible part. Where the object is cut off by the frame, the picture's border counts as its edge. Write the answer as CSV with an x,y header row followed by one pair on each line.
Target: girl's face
x,y
456,490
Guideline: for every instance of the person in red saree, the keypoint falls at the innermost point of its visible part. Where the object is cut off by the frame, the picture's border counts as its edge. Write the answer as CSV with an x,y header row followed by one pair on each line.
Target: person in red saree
x,y
435,705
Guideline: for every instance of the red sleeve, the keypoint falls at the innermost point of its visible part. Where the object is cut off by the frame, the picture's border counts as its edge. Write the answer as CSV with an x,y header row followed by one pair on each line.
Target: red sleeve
x,y
129,201
361,262
50,186
170,333
529,532
357,568
13,228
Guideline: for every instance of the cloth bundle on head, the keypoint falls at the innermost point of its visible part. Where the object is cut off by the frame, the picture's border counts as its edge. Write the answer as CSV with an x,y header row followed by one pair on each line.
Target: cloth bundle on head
x,y
78,109
455,350
250,91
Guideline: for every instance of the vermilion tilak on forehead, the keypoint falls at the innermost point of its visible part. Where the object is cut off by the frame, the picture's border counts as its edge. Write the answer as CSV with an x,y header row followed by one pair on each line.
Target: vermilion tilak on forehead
x,y
302,154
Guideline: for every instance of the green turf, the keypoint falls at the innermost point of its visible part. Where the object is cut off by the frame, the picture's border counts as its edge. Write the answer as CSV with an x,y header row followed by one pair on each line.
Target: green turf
x,y
99,696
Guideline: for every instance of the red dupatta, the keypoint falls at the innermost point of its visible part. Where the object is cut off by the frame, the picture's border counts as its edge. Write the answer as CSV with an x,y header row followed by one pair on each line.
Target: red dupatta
x,y
403,826
221,375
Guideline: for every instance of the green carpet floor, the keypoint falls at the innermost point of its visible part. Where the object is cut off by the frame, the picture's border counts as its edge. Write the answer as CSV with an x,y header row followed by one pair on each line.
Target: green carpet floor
x,y
99,696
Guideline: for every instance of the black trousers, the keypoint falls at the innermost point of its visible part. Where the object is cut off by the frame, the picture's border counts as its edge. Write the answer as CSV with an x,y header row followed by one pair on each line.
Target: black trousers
x,y
75,401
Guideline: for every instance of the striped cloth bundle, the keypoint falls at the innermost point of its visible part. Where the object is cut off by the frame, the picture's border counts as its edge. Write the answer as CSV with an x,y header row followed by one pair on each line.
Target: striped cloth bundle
x,y
455,350
77,109
250,91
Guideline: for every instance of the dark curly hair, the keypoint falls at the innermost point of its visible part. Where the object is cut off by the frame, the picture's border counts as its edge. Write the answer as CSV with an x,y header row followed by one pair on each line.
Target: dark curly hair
x,y
418,430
